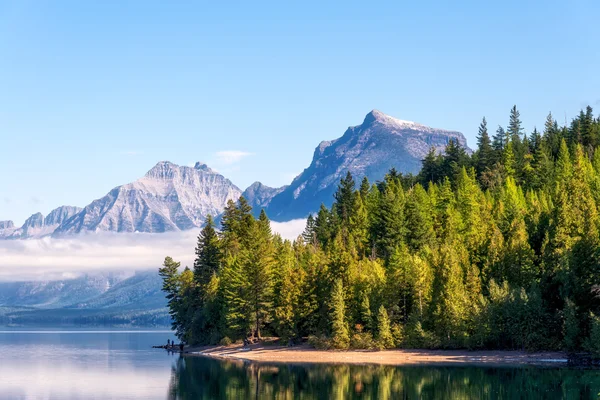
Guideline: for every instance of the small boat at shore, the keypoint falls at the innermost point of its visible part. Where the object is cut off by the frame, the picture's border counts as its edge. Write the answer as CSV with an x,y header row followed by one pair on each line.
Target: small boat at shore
x,y
170,347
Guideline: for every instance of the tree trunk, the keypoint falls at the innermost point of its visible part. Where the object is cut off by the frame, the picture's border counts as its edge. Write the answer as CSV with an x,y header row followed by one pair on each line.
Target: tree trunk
x,y
257,326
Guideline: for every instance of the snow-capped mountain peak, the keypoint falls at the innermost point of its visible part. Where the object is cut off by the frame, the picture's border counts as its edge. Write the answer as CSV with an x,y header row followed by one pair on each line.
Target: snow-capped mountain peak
x,y
370,149
168,197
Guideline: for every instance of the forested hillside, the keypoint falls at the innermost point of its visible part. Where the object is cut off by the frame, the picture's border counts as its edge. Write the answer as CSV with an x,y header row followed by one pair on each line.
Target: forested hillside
x,y
498,249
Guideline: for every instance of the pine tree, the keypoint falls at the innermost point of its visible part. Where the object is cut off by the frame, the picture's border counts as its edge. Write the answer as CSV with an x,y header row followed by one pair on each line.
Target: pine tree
x,y
570,326
592,343
431,168
344,198
454,159
310,235
237,311
391,227
449,301
399,269
517,264
287,284
365,186
340,336
498,143
552,135
171,286
384,334
365,311
515,130
588,137
508,159
208,254
324,226
485,153
419,219
358,224
230,226
469,200
257,262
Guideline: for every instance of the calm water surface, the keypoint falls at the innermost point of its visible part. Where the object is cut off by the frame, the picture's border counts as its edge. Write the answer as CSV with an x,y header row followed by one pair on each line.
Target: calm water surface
x,y
122,365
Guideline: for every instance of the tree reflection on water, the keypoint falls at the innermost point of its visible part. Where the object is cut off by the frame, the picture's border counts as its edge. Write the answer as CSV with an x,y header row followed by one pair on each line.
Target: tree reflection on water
x,y
205,378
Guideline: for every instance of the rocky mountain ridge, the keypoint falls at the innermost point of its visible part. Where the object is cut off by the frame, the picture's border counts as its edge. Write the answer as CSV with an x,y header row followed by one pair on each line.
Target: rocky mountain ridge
x,y
37,225
168,198
370,149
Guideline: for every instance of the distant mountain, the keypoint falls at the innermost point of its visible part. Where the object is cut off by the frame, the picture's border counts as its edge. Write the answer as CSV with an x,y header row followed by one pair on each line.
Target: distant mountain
x,y
6,225
259,196
168,198
58,294
99,299
370,149
142,289
37,225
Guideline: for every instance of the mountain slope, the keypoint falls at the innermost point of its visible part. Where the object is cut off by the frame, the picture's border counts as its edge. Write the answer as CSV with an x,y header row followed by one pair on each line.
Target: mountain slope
x,y
168,198
259,195
58,294
370,149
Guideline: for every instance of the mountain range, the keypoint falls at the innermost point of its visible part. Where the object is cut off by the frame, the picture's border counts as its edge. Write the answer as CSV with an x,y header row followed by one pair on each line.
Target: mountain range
x,y
173,198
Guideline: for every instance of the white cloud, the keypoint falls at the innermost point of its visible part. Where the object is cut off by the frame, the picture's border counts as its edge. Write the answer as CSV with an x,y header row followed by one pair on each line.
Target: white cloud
x,y
53,259
50,258
290,229
228,157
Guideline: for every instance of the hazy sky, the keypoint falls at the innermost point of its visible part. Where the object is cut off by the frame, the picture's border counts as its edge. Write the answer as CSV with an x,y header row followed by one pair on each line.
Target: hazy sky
x,y
93,94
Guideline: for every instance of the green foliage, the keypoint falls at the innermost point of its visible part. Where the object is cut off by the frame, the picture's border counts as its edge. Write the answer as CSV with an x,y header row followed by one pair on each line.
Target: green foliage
x,y
225,341
592,343
319,342
384,333
340,338
570,326
495,250
363,340
208,254
416,337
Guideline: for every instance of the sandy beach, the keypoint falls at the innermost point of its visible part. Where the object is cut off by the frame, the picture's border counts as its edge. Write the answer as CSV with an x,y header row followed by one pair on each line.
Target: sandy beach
x,y
306,354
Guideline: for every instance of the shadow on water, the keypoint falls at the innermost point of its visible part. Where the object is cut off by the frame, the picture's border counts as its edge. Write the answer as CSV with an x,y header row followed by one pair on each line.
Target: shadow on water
x,y
205,378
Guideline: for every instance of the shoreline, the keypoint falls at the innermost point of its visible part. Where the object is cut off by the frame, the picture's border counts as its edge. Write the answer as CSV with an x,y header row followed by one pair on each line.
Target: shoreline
x,y
304,354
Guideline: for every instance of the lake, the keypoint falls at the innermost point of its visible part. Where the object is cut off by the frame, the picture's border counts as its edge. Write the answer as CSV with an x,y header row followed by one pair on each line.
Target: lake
x,y
122,365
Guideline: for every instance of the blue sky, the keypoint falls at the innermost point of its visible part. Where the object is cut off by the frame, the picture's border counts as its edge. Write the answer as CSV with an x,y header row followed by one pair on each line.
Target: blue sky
x,y
93,94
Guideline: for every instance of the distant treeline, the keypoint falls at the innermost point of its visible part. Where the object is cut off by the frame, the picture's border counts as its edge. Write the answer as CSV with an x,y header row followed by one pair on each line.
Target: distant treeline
x,y
83,317
498,249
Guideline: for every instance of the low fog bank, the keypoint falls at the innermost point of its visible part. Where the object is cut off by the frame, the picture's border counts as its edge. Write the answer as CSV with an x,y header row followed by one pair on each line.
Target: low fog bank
x,y
66,258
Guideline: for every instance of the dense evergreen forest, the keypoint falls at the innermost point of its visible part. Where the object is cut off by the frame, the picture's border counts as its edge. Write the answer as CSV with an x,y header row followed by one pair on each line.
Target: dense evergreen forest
x,y
496,249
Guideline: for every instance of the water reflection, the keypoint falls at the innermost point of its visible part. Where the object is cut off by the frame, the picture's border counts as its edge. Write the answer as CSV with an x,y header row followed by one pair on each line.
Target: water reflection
x,y
84,365
202,378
